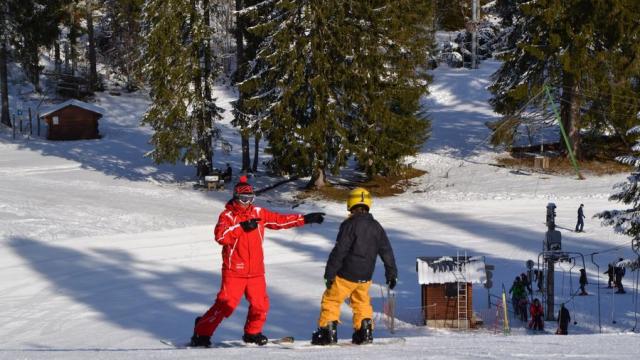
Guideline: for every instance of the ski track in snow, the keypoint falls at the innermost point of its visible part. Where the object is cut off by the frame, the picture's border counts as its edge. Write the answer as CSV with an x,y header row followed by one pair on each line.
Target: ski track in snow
x,y
103,253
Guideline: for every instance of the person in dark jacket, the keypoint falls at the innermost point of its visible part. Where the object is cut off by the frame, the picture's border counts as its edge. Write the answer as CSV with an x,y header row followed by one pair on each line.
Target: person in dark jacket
x,y
610,272
563,321
526,282
519,299
228,174
240,230
580,223
619,273
583,282
539,279
349,270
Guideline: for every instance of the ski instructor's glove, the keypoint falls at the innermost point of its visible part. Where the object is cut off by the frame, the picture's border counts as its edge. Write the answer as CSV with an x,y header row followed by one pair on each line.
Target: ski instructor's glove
x,y
316,217
249,225
392,283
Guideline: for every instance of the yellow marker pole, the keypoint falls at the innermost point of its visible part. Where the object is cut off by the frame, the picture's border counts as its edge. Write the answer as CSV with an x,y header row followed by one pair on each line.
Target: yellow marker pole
x,y
505,328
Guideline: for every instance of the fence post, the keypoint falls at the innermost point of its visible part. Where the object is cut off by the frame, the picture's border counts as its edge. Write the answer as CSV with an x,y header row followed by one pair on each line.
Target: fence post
x,y
30,123
38,119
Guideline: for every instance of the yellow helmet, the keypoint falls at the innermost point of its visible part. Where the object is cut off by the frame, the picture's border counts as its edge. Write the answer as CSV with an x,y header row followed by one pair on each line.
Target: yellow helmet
x,y
359,196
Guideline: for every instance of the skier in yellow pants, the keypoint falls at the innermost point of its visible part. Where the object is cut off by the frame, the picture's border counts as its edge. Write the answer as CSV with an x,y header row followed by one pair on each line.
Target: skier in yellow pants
x,y
348,273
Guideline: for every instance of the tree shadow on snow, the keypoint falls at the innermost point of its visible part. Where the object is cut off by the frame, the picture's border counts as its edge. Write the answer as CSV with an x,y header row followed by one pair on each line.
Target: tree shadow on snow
x,y
131,294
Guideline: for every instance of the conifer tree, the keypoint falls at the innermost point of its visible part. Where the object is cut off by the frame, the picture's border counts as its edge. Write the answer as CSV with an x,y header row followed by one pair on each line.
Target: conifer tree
x,y
627,221
334,79
567,45
123,23
26,26
180,75
386,79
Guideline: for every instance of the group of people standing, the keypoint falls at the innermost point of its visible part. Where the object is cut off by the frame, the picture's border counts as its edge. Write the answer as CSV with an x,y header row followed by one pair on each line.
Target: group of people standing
x,y
349,270
520,291
616,272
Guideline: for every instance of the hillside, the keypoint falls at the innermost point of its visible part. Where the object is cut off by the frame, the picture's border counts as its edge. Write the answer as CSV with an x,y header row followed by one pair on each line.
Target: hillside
x,y
104,253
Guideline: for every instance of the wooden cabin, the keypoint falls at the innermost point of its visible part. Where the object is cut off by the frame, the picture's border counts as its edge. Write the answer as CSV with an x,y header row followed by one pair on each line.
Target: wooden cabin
x,y
447,289
72,120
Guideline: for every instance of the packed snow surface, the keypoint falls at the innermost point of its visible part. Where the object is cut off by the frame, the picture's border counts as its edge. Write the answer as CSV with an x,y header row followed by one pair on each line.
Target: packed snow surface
x,y
103,253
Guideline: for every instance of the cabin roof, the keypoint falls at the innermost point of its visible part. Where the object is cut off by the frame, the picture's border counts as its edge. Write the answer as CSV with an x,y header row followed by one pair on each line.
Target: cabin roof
x,y
448,269
73,102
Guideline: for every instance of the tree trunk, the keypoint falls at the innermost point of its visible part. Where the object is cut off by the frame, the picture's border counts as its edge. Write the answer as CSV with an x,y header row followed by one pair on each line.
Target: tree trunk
x,y
207,86
93,73
57,59
73,39
318,179
246,158
570,113
574,133
244,132
4,85
256,151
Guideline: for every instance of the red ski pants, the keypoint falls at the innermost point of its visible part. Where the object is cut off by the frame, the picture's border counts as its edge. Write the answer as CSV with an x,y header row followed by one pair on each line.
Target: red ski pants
x,y
231,291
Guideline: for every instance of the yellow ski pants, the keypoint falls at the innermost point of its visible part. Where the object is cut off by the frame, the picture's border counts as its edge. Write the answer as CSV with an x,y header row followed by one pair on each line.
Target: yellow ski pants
x,y
359,300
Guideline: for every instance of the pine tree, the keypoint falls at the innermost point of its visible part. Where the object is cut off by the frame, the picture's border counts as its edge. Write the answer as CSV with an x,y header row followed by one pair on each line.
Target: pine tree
x,y
180,75
627,221
385,80
123,24
568,46
334,79
25,26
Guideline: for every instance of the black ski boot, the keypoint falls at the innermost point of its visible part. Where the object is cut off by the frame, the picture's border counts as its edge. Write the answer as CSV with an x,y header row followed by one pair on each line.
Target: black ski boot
x,y
364,335
199,340
255,339
326,335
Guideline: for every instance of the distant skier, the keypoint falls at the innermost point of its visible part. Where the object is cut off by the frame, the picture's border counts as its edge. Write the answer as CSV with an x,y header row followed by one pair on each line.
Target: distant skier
x,y
610,272
349,269
526,282
583,282
518,294
228,173
240,231
537,313
580,223
563,321
619,272
539,279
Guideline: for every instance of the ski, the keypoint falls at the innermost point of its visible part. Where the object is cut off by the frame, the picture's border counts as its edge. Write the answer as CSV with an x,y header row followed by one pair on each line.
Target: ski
x,y
285,340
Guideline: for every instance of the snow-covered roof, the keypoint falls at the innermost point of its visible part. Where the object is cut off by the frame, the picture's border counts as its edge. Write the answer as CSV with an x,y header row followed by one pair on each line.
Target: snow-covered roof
x,y
73,102
447,269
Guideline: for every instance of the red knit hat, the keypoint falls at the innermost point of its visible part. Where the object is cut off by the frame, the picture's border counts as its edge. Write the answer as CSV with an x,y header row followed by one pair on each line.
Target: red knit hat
x,y
242,187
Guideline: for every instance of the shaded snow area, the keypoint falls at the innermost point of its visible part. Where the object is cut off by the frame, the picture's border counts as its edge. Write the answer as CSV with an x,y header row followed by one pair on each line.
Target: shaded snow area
x,y
103,253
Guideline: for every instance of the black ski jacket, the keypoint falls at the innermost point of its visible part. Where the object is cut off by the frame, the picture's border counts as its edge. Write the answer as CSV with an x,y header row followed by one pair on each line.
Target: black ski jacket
x,y
360,240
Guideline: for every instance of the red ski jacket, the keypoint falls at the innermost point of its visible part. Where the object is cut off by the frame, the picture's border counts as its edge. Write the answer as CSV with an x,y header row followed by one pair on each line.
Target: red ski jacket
x,y
242,253
536,310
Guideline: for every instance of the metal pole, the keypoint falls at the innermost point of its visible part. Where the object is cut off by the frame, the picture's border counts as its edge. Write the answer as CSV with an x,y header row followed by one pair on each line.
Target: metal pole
x,y
550,290
598,284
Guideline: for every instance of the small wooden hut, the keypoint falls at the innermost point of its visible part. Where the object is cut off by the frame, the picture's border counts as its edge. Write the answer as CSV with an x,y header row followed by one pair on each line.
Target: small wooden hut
x,y
447,290
72,120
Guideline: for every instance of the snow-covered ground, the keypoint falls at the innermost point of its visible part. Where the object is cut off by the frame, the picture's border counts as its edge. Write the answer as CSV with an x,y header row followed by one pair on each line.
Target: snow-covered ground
x,y
103,253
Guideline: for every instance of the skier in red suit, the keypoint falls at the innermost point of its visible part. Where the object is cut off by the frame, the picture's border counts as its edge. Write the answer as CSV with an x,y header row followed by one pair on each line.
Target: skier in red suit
x,y
240,231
